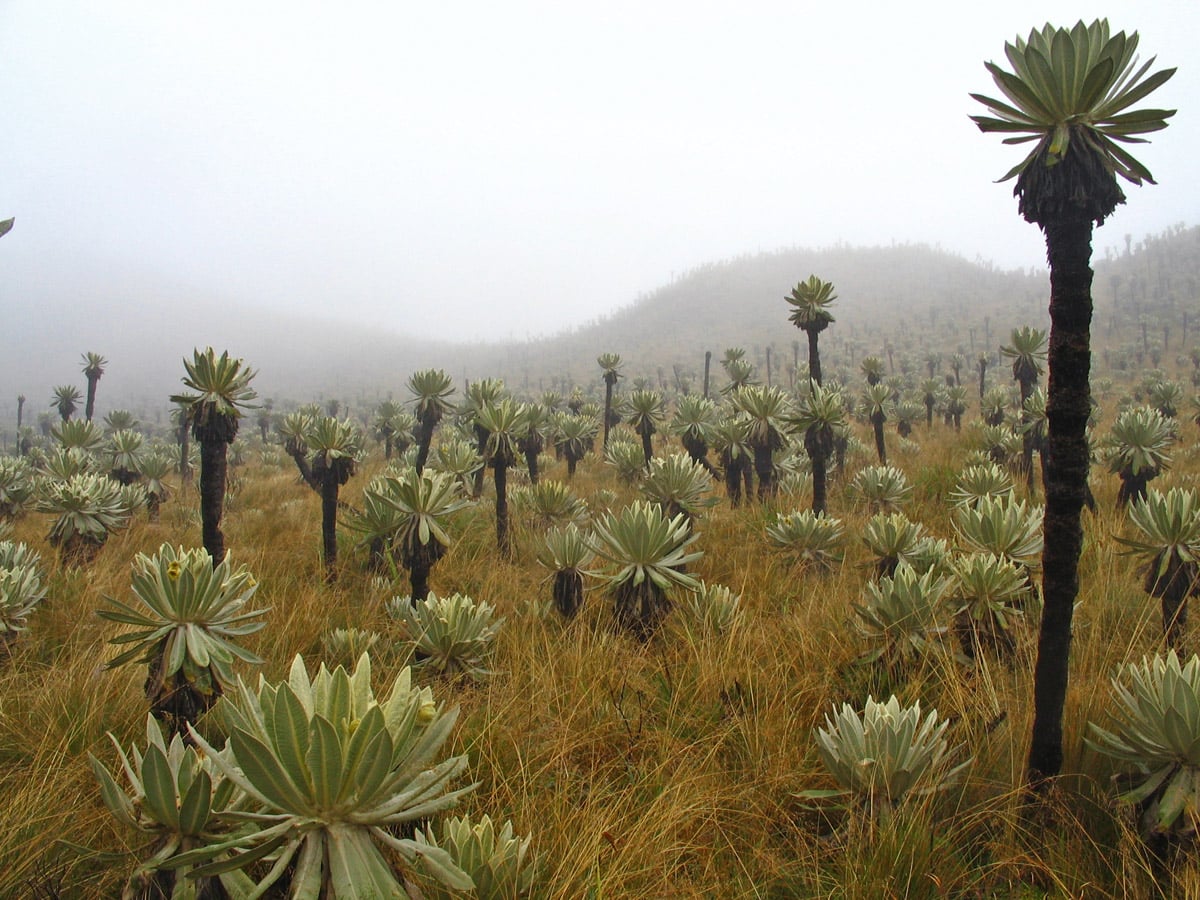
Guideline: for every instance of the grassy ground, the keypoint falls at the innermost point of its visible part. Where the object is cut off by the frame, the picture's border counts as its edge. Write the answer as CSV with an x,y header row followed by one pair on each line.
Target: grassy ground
x,y
665,770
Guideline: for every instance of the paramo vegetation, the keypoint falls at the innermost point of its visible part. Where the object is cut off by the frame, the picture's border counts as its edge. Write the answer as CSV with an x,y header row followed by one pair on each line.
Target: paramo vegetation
x,y
771,630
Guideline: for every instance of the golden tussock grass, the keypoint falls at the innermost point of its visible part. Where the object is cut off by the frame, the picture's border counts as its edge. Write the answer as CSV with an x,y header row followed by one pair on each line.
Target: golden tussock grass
x,y
669,769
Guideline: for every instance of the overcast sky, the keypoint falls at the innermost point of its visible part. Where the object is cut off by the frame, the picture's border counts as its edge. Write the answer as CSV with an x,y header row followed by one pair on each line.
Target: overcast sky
x,y
491,169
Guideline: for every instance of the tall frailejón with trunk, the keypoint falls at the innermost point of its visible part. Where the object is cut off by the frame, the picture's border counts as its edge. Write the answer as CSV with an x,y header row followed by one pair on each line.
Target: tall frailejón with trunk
x,y
1070,93
218,390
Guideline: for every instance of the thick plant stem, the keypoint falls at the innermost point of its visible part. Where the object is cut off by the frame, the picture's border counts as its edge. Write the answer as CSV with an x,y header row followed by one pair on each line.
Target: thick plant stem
x,y
647,446
765,471
817,446
877,421
329,503
212,497
418,580
814,356
503,537
1066,463
608,392
425,425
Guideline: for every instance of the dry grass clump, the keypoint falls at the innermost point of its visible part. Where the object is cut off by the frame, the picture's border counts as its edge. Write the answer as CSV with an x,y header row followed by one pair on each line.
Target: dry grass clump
x,y
665,769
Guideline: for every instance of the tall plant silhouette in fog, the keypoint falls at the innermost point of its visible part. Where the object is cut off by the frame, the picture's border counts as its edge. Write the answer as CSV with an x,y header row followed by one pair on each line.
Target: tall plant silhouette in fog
x,y
610,367
810,301
93,369
335,448
1028,352
218,390
431,389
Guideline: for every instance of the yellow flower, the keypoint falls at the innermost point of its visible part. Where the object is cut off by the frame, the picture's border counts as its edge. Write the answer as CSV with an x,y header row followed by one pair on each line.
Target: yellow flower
x,y
173,570
427,708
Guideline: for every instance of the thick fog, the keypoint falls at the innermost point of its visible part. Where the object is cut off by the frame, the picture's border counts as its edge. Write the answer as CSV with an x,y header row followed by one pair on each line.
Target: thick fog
x,y
493,170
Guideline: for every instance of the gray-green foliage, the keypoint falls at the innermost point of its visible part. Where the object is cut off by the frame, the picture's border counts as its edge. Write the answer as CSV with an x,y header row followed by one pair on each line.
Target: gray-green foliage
x,y
647,552
626,458
409,513
1169,545
21,588
986,592
812,538
79,433
187,622
345,645
1074,86
459,458
678,485
550,503
979,481
694,419
496,859
218,388
567,552
891,537
125,454
711,608
329,771
1155,727
888,753
87,508
881,488
16,487
1137,448
1009,528
451,635
176,797
1169,531
899,616
333,444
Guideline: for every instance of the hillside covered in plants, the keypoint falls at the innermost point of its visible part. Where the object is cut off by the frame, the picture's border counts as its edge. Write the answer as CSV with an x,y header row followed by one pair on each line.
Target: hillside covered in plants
x,y
645,626
911,297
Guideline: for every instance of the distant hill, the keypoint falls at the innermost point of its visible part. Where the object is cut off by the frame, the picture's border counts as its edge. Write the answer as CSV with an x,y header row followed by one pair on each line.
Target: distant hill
x,y
910,299
883,293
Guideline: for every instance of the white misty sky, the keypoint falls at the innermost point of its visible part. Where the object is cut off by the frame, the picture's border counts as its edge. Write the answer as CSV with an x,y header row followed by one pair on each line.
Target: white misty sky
x,y
492,169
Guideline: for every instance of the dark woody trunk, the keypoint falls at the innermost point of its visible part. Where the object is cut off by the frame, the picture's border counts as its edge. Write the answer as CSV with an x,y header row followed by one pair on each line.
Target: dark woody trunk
x,y
503,538
1027,440
212,496
300,458
814,357
697,450
608,391
641,608
426,422
1133,487
1173,587
877,420
481,439
733,477
331,476
1068,247
568,592
419,564
92,382
764,468
818,444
